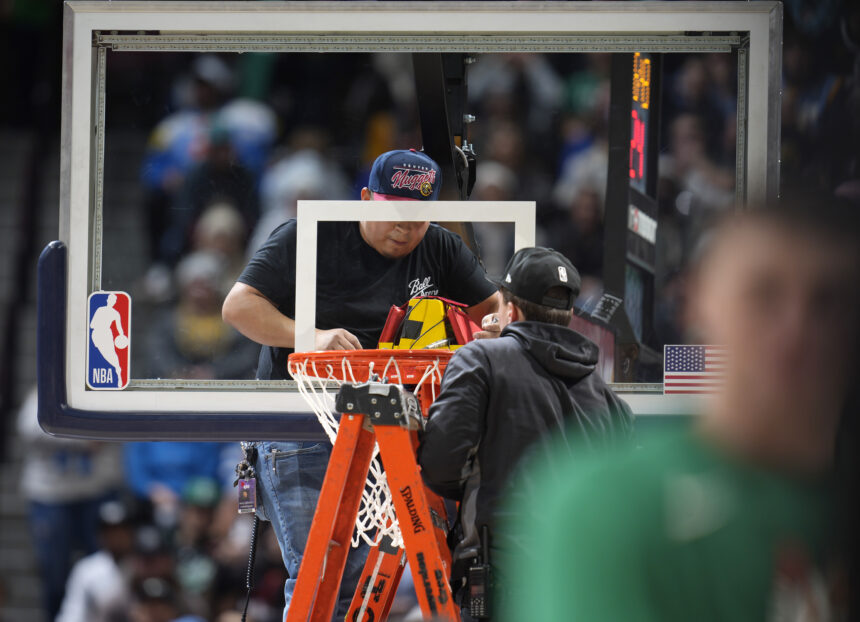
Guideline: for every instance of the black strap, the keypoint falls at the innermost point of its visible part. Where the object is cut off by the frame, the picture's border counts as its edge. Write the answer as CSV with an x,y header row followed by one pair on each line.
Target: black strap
x,y
251,557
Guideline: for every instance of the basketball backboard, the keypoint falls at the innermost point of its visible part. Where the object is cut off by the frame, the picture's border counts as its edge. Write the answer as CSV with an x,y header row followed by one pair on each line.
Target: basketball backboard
x,y
97,33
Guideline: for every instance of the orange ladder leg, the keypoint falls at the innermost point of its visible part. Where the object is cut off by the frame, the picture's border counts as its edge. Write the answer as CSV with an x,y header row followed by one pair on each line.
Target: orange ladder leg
x,y
320,573
380,578
378,585
427,557
437,510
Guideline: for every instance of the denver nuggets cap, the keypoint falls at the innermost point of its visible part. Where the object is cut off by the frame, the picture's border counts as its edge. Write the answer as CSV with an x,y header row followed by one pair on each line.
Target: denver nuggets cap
x,y
406,173
531,272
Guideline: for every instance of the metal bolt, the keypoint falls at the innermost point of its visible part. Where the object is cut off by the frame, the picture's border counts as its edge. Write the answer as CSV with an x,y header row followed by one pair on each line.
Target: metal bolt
x,y
377,414
393,400
350,405
468,118
373,400
397,415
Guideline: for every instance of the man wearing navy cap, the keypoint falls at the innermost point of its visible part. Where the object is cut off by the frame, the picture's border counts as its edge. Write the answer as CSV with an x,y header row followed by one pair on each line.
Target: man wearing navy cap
x,y
501,397
363,268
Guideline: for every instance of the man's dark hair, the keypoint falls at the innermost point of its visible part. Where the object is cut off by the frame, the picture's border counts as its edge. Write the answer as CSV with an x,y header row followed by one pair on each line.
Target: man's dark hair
x,y
541,313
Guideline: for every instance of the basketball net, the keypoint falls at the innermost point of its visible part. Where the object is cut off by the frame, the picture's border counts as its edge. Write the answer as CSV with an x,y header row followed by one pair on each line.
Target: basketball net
x,y
318,379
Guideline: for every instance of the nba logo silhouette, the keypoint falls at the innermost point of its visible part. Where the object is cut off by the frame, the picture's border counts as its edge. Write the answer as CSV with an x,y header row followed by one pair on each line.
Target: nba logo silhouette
x,y
108,329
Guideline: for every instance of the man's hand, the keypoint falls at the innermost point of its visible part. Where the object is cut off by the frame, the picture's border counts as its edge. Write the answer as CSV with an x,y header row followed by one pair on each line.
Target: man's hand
x,y
490,327
336,339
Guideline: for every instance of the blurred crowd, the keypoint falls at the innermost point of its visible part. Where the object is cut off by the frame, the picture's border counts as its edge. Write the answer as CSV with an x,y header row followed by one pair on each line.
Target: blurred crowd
x,y
142,532
247,136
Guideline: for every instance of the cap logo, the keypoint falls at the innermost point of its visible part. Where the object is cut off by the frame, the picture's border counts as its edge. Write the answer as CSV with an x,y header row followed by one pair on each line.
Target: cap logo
x,y
562,274
508,278
421,180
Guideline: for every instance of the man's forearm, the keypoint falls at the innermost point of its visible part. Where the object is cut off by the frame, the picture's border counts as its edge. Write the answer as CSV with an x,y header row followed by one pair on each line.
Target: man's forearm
x,y
258,319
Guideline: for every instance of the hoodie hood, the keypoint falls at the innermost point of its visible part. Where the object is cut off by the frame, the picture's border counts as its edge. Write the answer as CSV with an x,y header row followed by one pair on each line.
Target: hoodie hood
x,y
559,350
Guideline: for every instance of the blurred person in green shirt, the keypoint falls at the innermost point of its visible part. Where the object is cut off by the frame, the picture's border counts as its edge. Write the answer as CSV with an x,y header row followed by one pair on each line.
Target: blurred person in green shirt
x,y
734,515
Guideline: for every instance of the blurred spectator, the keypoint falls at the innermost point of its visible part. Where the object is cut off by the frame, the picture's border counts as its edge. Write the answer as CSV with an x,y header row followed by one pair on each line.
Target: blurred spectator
x,y
586,108
505,142
583,170
821,94
179,141
218,178
154,553
703,184
156,600
65,482
267,595
578,235
722,78
302,175
242,130
194,545
220,230
98,585
693,92
669,308
494,182
517,85
190,340
160,471
732,515
252,128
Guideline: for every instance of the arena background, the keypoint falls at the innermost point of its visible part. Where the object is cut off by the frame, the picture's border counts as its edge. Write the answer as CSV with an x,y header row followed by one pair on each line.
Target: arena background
x,y
540,125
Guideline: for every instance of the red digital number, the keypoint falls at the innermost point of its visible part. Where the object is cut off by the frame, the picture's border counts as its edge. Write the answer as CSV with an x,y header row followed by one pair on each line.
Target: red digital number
x,y
637,147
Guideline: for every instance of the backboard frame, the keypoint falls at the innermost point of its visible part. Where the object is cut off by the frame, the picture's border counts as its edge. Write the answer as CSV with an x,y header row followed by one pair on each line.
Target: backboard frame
x,y
93,28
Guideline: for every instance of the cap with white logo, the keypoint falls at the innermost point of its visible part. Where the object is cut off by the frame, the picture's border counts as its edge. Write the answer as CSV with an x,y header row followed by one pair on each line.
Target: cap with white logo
x,y
532,272
405,174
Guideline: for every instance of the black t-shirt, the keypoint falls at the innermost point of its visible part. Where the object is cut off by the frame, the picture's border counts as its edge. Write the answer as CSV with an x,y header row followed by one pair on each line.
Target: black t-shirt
x,y
356,286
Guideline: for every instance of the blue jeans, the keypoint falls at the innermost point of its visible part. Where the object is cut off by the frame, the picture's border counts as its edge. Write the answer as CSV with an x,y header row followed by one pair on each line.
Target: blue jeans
x,y
289,479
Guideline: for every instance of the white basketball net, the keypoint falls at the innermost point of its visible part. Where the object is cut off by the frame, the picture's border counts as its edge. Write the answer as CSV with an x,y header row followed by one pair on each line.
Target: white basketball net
x,y
318,384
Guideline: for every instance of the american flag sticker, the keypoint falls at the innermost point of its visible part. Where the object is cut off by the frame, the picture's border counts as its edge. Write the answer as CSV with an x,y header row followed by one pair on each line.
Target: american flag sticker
x,y
693,369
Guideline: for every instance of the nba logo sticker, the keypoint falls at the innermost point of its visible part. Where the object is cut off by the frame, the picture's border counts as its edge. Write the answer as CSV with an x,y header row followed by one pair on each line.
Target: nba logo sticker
x,y
108,329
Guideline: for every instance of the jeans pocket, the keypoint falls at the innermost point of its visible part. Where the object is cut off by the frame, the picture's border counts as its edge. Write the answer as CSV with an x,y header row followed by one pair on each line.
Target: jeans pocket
x,y
301,467
297,477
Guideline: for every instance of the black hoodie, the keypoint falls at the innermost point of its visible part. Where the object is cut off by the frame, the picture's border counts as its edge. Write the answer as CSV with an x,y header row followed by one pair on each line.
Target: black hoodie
x,y
501,397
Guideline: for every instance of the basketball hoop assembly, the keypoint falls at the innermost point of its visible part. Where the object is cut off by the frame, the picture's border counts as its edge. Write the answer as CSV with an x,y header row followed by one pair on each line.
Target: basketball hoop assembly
x,y
379,419
320,374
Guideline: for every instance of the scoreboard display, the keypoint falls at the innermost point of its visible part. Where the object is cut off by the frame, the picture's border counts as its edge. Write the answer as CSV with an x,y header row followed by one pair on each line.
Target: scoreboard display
x,y
642,198
639,118
631,231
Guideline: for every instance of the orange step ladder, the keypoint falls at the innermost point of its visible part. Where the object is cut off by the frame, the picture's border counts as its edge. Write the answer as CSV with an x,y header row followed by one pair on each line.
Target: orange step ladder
x,y
389,415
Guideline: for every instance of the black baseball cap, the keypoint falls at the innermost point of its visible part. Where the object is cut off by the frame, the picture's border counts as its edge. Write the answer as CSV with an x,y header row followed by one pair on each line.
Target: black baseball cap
x,y
531,273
